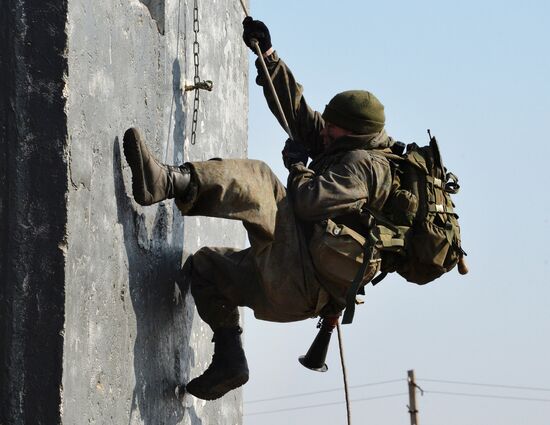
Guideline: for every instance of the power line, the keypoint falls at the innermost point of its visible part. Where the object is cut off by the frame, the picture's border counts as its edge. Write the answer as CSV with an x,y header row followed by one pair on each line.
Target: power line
x,y
321,391
310,406
514,387
459,394
488,396
441,381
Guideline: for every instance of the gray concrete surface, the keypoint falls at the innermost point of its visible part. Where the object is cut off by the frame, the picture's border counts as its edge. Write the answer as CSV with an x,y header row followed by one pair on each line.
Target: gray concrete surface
x,y
33,214
117,335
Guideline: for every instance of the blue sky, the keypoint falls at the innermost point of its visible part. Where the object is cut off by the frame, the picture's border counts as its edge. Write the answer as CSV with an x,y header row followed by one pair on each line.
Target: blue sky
x,y
477,74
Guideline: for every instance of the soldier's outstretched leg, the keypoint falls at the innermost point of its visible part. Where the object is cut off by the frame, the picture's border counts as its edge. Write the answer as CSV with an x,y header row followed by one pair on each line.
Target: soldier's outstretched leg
x,y
274,277
152,181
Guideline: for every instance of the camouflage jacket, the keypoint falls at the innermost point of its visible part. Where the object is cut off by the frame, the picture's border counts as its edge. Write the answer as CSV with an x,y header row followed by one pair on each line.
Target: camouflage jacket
x,y
341,179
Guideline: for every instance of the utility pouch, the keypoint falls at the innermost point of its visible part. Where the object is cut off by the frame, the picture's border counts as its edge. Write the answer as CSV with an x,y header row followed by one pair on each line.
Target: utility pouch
x,y
337,253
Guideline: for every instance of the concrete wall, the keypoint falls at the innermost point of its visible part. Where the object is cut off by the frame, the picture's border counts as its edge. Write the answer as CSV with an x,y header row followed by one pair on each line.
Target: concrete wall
x,y
33,209
94,329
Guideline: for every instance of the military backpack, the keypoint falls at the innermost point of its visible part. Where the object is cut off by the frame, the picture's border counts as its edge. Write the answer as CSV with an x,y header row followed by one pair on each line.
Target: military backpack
x,y
417,231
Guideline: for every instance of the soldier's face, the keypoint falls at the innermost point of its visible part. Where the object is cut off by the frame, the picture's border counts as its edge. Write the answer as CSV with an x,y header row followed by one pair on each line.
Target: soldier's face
x,y
332,132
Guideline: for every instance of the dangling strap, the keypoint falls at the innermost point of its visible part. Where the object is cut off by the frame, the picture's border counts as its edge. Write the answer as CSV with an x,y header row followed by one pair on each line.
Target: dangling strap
x,y
368,255
379,278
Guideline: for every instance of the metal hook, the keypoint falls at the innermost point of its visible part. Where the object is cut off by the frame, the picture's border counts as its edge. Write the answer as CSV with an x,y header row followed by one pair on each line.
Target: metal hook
x,y
202,85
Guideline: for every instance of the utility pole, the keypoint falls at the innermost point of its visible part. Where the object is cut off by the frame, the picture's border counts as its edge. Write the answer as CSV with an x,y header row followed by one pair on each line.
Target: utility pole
x,y
412,397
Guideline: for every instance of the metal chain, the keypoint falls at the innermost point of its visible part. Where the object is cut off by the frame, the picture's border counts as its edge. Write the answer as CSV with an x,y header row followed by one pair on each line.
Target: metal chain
x,y
196,79
197,83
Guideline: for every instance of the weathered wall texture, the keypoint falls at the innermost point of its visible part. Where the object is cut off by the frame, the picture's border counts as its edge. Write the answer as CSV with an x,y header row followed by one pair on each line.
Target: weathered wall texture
x,y
33,213
94,329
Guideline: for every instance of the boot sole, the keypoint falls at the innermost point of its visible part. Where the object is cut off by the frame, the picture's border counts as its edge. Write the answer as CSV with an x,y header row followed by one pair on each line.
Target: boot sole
x,y
132,152
221,389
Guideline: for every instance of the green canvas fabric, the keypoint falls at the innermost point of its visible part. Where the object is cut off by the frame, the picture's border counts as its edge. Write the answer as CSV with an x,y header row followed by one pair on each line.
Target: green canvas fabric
x,y
419,233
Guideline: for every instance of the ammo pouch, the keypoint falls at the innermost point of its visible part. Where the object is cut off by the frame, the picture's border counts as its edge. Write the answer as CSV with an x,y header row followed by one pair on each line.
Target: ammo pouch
x,y
337,253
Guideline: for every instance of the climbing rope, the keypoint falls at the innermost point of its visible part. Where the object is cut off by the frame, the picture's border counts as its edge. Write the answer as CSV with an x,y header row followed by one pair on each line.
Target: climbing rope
x,y
344,373
268,79
287,129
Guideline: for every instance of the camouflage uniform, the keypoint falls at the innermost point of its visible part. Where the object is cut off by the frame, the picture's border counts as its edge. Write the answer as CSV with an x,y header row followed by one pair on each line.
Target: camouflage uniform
x,y
275,277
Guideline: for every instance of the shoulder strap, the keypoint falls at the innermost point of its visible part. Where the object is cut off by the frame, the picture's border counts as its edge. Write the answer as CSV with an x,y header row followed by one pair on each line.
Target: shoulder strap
x,y
368,255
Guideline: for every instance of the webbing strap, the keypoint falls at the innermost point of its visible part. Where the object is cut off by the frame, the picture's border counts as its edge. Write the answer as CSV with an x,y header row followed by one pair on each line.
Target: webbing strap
x,y
379,278
368,254
381,219
435,181
450,185
440,208
449,232
388,241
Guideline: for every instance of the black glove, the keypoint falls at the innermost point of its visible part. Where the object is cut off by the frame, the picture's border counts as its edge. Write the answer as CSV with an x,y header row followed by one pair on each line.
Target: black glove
x,y
293,153
256,30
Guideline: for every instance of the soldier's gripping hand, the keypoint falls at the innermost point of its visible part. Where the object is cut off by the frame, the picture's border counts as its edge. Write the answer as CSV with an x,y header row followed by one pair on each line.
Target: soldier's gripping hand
x,y
293,153
256,30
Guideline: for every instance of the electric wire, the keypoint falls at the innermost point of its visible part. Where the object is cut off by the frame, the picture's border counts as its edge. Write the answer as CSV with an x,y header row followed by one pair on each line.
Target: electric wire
x,y
334,403
478,384
449,393
502,397
282,397
391,381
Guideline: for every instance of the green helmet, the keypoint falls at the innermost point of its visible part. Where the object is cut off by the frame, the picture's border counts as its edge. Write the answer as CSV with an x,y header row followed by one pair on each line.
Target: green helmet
x,y
356,110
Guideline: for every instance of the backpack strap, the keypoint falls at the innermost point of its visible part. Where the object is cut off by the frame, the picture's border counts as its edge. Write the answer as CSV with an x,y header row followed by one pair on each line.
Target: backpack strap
x,y
368,255
452,185
440,208
379,218
379,278
386,240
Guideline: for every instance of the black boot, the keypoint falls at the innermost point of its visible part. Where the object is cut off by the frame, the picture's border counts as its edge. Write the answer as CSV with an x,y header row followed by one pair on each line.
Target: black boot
x,y
152,181
228,370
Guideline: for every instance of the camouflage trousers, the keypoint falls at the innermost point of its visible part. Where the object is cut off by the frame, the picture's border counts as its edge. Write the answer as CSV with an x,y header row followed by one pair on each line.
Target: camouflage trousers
x,y
275,276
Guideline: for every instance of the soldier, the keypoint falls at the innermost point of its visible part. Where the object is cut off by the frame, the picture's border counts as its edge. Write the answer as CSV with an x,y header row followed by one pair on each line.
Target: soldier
x,y
276,276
